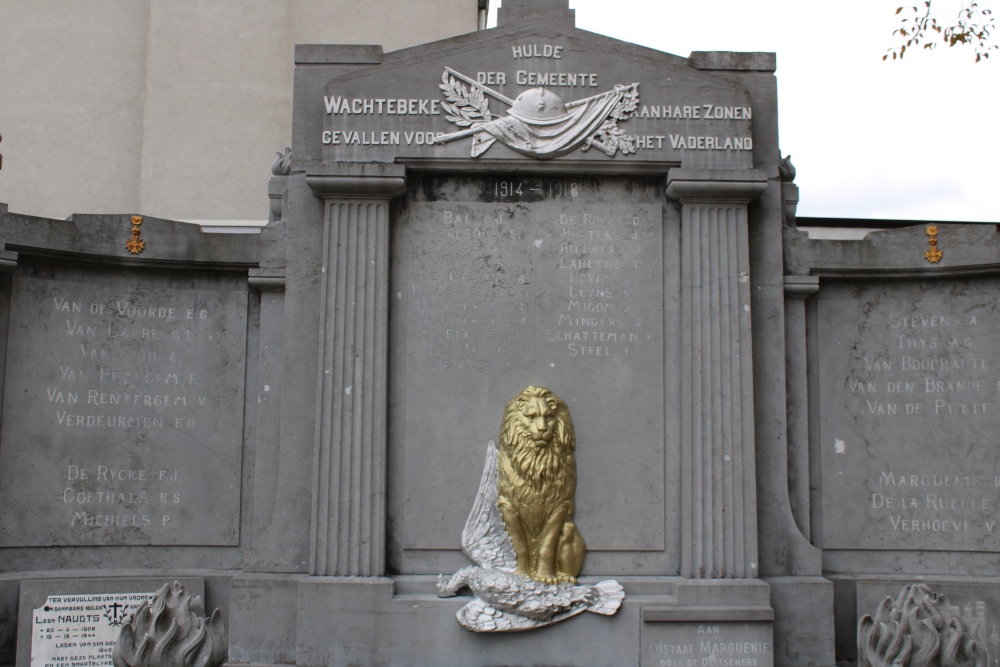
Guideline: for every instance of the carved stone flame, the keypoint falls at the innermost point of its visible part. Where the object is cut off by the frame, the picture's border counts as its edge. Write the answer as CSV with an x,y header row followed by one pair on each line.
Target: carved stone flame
x,y
918,629
172,632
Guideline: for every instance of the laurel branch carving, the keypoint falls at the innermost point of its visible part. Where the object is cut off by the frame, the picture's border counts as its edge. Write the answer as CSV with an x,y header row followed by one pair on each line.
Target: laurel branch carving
x,y
609,137
465,107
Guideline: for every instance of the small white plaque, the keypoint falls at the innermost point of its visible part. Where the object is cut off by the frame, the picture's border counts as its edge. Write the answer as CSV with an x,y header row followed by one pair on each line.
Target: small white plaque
x,y
80,630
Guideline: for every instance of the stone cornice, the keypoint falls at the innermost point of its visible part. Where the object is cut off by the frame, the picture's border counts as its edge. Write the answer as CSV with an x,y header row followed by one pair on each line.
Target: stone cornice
x,y
715,185
366,180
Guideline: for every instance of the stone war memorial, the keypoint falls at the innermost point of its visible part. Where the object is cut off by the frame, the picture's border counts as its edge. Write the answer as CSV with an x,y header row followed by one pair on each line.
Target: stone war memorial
x,y
533,364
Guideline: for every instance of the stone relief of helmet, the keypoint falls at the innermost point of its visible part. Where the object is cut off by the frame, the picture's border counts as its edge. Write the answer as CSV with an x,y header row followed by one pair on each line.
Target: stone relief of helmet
x,y
539,106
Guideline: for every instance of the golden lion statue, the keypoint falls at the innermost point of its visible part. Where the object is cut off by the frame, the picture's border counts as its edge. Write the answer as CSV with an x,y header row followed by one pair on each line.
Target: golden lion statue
x,y
536,486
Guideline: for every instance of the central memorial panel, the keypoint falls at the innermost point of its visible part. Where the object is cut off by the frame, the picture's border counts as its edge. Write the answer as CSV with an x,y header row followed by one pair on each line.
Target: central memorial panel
x,y
503,282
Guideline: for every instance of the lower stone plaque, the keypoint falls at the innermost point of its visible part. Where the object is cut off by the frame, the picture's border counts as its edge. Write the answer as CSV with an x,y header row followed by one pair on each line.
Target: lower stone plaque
x,y
674,643
70,625
80,630
122,415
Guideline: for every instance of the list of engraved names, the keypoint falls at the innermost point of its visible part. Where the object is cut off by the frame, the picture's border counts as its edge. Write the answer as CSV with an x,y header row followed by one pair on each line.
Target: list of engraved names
x,y
508,281
500,286
125,399
920,385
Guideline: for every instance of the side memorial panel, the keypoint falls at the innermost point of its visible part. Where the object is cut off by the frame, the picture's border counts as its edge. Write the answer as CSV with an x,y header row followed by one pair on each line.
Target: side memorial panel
x,y
909,381
123,415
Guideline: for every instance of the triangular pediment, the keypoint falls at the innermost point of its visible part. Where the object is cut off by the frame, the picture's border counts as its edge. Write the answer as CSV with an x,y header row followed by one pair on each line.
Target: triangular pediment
x,y
537,90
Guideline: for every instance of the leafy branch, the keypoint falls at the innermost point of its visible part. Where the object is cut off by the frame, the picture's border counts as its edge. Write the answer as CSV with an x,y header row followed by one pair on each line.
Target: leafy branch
x,y
609,137
464,107
626,107
973,26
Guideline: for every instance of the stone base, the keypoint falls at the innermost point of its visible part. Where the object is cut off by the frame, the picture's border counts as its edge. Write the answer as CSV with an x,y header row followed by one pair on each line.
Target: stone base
x,y
262,622
401,621
803,621
663,622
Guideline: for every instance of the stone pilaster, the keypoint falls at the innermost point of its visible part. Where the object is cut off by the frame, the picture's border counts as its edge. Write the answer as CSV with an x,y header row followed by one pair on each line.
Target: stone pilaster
x,y
719,523
797,290
348,522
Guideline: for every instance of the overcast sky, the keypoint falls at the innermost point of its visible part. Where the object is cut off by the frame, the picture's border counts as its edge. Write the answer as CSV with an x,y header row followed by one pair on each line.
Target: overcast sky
x,y
916,139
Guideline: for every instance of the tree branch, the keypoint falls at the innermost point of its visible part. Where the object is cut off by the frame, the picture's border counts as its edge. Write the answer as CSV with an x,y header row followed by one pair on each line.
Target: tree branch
x,y
972,27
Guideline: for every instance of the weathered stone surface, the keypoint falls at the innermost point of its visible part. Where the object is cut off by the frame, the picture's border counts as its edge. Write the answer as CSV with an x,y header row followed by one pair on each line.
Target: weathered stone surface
x,y
424,284
365,609
503,282
901,407
408,104
803,619
908,414
122,414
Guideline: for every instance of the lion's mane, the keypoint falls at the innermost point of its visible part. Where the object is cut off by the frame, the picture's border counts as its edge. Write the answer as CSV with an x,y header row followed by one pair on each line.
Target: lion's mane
x,y
536,478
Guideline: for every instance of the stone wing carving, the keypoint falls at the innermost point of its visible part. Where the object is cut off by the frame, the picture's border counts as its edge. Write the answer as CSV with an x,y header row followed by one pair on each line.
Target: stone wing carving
x,y
484,539
509,603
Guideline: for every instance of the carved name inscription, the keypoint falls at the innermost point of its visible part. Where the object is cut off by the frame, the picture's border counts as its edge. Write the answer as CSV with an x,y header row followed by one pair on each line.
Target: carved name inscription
x,y
578,283
510,281
80,630
708,644
910,390
122,421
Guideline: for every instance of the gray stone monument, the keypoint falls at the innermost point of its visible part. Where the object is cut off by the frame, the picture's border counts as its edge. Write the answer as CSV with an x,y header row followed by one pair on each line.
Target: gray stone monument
x,y
898,401
775,425
537,205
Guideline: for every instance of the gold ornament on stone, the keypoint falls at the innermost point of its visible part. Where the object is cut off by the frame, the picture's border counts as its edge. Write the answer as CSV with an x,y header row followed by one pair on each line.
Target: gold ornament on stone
x,y
537,486
933,254
521,531
135,245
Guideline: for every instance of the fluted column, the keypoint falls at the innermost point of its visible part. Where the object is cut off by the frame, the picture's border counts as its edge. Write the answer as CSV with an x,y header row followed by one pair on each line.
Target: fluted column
x,y
348,523
718,496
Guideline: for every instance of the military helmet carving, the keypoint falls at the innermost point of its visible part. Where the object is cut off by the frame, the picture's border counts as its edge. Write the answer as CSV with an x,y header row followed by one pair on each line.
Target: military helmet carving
x,y
538,105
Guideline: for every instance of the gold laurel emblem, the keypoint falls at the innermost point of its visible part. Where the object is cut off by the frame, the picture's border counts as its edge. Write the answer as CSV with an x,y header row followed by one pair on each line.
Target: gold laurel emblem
x,y
135,245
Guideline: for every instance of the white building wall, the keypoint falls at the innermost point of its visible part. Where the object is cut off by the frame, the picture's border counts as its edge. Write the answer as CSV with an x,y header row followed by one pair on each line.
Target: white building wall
x,y
170,108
